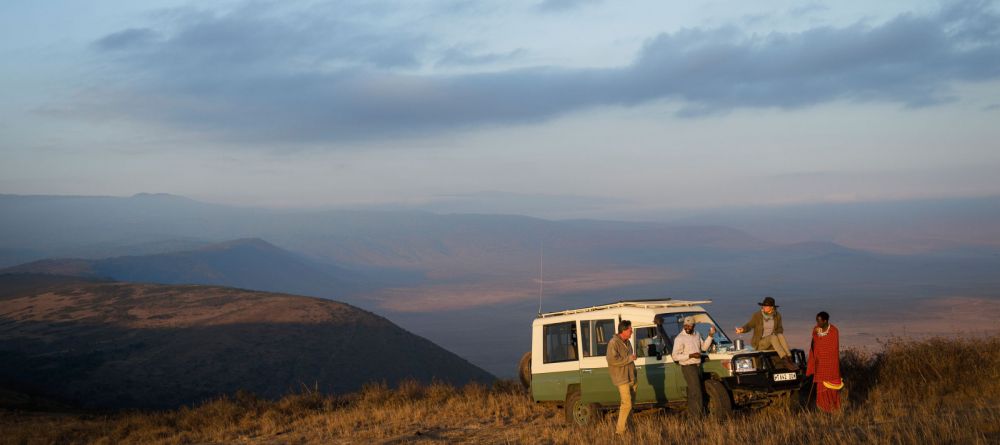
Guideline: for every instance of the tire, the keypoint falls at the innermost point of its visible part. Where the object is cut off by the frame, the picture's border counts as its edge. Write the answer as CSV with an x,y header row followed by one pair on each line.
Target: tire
x,y
720,405
524,370
579,413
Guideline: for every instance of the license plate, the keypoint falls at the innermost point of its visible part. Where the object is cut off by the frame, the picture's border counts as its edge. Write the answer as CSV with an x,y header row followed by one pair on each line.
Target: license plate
x,y
785,376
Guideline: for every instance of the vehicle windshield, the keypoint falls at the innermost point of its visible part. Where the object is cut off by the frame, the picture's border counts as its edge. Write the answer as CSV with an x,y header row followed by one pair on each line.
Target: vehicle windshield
x,y
673,322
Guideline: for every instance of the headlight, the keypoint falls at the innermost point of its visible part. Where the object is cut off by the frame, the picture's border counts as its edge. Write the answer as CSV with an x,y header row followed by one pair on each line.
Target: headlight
x,y
743,364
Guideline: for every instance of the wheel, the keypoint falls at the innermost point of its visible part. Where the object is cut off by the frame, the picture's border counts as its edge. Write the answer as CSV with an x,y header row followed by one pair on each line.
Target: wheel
x,y
579,413
524,370
720,405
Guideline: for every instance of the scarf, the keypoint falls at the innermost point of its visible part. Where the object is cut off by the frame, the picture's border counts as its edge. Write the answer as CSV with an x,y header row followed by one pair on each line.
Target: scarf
x,y
767,316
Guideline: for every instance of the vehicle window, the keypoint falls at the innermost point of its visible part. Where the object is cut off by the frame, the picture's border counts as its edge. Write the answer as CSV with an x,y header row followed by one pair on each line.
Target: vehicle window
x,y
560,342
674,322
596,335
647,344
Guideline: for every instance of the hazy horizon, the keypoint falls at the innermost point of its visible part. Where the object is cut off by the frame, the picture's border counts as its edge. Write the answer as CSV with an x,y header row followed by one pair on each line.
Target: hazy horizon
x,y
541,206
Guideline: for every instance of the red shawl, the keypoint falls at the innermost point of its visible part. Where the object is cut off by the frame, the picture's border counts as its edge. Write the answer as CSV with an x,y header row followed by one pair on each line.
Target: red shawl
x,y
824,356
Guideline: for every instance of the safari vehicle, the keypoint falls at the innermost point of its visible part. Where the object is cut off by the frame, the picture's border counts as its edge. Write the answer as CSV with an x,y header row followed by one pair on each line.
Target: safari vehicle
x,y
567,364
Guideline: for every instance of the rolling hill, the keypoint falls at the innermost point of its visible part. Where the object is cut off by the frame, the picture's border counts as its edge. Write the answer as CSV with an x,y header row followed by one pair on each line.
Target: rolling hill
x,y
100,344
247,263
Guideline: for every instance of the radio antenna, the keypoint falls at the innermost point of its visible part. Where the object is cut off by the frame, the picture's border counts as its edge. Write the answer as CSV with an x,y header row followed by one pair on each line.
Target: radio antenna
x,y
541,276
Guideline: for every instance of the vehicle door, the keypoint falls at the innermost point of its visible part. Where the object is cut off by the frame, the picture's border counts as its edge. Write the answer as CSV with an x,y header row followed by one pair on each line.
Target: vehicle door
x,y
554,360
595,381
656,372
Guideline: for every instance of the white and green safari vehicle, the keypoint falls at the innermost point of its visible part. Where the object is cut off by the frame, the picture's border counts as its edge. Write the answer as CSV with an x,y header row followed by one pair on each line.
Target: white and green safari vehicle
x,y
567,365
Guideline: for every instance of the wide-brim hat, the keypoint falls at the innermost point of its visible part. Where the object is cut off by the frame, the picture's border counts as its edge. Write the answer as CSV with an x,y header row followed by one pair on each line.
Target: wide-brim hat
x,y
768,301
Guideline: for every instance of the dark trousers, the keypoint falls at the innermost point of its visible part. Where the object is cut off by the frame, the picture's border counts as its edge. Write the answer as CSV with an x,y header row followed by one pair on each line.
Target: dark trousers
x,y
692,375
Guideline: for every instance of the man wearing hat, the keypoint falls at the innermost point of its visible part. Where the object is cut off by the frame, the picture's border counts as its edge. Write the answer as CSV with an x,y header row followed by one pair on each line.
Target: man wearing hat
x,y
768,332
688,347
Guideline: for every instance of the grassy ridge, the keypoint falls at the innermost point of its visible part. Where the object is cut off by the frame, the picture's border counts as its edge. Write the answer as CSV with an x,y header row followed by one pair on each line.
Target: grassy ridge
x,y
936,390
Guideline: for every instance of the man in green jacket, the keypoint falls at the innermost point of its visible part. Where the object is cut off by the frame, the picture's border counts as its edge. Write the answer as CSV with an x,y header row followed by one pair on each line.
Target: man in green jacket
x,y
768,332
621,368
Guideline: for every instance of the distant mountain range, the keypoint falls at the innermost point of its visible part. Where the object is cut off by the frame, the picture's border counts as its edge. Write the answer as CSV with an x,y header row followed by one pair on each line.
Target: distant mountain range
x,y
247,263
895,227
117,345
39,227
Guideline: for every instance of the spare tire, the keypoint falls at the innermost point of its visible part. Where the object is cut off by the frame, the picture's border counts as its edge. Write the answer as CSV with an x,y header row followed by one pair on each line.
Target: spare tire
x,y
524,370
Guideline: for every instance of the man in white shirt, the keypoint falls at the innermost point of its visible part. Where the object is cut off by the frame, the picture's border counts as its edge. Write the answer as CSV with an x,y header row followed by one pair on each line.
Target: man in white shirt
x,y
688,347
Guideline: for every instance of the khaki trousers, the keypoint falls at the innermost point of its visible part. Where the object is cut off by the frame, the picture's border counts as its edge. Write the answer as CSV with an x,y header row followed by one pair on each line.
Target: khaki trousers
x,y
776,342
627,393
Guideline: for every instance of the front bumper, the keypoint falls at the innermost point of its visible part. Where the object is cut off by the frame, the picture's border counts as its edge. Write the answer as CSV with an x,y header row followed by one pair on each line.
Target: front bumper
x,y
767,377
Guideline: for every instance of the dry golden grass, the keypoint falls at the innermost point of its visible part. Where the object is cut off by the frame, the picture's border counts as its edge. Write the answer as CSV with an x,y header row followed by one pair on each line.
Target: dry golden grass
x,y
928,391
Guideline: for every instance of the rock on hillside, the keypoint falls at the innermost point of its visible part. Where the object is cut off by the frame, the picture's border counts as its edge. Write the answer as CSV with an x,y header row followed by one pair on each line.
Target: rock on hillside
x,y
115,345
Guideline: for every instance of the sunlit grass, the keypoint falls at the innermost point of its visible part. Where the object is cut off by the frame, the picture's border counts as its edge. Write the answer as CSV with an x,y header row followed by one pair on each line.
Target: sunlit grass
x,y
929,391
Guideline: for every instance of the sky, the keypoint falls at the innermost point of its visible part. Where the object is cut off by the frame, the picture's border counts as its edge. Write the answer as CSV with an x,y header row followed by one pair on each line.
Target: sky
x,y
564,108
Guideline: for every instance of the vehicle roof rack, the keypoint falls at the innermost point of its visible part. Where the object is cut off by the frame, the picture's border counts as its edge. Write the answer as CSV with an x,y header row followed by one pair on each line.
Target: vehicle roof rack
x,y
655,303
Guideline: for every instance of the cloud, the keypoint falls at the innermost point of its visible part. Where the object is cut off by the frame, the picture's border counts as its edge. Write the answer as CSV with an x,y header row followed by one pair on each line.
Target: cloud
x,y
908,60
462,57
260,35
563,5
129,38
807,9
255,76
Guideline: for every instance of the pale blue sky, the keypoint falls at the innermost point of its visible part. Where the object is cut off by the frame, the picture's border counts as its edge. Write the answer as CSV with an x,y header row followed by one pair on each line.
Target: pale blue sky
x,y
642,104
